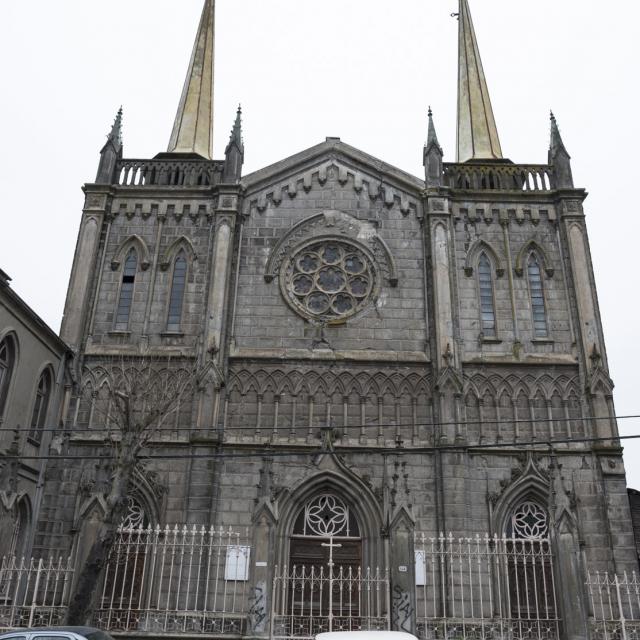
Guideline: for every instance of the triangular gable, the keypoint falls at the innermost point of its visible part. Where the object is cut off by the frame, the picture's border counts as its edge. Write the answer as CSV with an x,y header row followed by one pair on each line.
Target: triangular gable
x,y
300,172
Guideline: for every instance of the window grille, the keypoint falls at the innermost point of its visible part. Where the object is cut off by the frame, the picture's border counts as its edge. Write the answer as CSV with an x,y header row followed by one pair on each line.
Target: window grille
x,y
537,298
126,291
124,579
530,572
177,293
40,406
487,309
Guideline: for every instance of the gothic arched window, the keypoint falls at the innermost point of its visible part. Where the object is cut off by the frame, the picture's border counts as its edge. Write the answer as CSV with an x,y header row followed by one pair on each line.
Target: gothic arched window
x,y
124,581
536,290
176,298
487,306
20,528
126,291
7,365
40,405
530,578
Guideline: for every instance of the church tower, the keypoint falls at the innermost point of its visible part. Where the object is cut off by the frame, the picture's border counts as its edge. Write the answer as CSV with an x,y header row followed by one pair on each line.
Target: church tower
x,y
402,383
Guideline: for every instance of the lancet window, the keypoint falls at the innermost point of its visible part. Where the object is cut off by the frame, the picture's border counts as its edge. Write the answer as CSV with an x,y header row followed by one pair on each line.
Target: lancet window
x,y
20,528
176,299
7,364
536,290
40,405
487,305
126,291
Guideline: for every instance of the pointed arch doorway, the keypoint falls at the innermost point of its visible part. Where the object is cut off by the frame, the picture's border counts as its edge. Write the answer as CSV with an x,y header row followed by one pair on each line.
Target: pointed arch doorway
x,y
325,586
326,532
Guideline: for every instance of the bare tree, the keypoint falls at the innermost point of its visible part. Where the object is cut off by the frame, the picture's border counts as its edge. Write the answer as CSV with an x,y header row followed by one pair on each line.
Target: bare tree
x,y
137,404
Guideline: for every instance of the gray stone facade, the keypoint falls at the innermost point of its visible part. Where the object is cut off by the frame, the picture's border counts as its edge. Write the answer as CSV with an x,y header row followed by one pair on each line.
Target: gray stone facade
x,y
429,351
412,371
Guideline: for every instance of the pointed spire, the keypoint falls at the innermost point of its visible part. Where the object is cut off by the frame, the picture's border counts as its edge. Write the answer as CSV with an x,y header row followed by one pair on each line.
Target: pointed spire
x,y
193,128
115,135
556,144
432,137
234,153
110,152
559,158
236,132
477,132
432,158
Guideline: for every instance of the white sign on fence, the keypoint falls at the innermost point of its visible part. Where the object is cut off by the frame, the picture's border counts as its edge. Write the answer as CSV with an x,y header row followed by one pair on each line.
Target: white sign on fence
x,y
421,568
237,565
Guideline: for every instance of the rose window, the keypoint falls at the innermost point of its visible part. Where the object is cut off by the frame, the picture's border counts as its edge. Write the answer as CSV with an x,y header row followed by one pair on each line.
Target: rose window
x,y
329,280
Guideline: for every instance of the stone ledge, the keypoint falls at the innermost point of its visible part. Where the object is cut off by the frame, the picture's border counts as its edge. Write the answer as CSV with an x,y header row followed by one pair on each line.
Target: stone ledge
x,y
362,355
527,359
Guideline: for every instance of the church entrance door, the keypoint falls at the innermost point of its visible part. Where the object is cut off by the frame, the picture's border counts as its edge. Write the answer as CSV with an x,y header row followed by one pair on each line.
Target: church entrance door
x,y
325,587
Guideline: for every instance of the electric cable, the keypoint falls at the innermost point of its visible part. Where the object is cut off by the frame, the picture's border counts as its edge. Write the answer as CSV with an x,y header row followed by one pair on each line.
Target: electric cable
x,y
270,450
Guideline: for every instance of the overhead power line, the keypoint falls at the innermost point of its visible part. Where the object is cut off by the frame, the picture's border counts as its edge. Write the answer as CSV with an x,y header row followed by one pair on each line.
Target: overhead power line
x,y
271,450
374,425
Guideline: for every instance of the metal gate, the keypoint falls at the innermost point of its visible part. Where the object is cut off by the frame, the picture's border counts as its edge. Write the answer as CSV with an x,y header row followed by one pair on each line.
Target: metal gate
x,y
34,593
310,600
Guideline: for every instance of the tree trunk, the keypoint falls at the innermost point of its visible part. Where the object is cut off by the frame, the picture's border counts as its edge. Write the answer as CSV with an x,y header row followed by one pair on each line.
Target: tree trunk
x,y
83,601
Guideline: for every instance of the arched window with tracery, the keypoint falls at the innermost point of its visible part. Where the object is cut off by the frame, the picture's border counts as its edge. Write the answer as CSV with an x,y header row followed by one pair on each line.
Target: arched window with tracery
x,y
7,366
487,302
18,543
125,299
124,575
176,298
531,592
40,406
536,292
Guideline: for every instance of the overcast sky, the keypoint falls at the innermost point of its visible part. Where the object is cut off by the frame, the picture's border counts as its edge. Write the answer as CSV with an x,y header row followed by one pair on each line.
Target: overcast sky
x,y
363,70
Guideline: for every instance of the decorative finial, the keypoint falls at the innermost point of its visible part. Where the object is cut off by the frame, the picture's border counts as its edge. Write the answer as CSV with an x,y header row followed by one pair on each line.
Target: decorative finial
x,y
432,138
236,131
234,153
115,135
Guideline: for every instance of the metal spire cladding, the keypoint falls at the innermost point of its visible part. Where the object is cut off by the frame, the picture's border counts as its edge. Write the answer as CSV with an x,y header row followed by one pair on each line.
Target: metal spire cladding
x,y
193,128
477,132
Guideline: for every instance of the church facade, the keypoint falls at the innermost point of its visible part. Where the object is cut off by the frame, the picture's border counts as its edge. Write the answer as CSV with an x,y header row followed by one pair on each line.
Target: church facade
x,y
403,414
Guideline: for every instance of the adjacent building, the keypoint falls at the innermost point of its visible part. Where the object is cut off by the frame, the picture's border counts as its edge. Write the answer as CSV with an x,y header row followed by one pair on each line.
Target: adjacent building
x,y
35,388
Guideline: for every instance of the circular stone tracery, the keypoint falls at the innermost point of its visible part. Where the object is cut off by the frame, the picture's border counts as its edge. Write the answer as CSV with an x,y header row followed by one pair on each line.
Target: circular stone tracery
x,y
328,280
530,522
